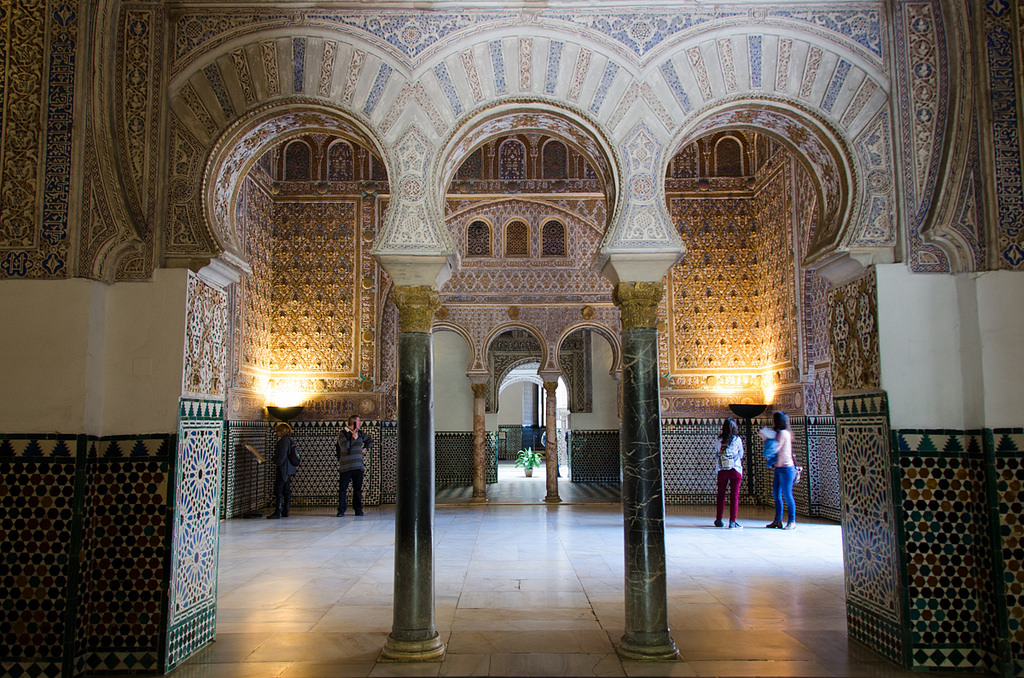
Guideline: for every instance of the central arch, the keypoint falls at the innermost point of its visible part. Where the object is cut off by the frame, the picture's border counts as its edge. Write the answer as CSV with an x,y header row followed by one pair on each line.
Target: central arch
x,y
569,126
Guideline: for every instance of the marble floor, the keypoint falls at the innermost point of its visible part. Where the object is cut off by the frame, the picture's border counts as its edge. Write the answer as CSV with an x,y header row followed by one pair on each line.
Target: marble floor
x,y
524,588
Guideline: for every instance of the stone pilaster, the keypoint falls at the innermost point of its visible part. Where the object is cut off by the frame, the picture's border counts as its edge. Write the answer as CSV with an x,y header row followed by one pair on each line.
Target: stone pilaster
x,y
643,502
414,635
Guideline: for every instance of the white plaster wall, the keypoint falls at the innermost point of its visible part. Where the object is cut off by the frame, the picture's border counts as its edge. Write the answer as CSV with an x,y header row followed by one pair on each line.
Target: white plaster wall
x,y
951,348
1000,296
510,404
87,357
49,351
919,344
605,414
453,392
144,354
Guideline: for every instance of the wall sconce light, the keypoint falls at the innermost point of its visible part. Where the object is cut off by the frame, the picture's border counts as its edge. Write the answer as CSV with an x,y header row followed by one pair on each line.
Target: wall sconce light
x,y
285,413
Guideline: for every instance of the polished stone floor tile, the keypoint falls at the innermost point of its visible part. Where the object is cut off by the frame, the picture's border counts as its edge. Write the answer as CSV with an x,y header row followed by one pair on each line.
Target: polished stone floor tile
x,y
525,589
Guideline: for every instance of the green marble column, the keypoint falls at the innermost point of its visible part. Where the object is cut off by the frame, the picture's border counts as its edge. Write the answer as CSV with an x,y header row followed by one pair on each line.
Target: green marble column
x,y
413,635
643,501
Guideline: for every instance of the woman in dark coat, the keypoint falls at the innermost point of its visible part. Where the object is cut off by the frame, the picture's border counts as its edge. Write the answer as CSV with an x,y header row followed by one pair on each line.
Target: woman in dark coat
x,y
285,463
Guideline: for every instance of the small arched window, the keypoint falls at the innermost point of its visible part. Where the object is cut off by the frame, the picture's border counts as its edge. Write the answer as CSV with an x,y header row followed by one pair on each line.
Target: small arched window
x,y
339,162
478,239
728,158
512,160
517,239
296,161
555,163
553,239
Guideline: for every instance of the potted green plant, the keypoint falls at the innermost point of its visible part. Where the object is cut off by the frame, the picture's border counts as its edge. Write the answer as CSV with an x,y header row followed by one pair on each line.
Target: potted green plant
x,y
528,460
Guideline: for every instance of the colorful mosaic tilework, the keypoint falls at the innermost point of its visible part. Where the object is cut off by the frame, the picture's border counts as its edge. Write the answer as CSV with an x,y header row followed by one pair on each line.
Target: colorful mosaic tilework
x,y
944,520
595,457
510,443
388,450
192,602
316,483
126,542
106,500
453,459
822,468
687,461
875,611
1005,447
38,536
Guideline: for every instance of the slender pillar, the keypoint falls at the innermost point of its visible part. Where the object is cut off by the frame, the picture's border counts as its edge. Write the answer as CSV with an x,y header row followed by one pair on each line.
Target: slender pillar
x,y
413,635
551,447
643,501
479,444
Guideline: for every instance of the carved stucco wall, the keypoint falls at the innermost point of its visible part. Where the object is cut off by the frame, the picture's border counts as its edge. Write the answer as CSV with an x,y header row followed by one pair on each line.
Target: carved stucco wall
x,y
308,314
853,321
732,311
395,69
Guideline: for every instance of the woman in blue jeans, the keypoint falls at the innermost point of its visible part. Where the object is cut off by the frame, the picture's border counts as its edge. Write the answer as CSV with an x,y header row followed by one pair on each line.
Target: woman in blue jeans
x,y
785,472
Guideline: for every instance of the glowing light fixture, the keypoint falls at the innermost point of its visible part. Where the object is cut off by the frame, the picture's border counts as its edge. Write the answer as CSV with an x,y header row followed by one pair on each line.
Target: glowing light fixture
x,y
285,401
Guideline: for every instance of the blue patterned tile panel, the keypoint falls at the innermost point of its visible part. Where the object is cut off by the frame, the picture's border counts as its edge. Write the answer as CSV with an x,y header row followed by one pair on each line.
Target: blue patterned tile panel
x,y
874,563
192,601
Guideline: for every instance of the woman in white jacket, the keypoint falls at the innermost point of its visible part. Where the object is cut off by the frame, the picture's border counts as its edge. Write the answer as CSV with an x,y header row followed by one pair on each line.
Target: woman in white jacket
x,y
729,461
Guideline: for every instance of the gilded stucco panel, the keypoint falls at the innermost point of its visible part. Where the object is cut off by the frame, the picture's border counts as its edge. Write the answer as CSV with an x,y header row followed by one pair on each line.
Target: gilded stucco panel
x,y
38,74
853,323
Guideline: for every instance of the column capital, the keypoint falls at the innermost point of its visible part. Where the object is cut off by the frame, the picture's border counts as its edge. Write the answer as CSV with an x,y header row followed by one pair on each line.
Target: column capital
x,y
550,387
638,303
479,390
416,306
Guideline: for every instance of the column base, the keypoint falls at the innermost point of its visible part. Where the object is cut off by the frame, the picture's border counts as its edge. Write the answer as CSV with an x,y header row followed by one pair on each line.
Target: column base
x,y
429,650
661,651
478,500
553,499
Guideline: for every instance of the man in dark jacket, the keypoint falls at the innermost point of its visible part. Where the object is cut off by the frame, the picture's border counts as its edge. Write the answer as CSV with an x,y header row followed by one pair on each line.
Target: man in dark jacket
x,y
285,467
350,446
